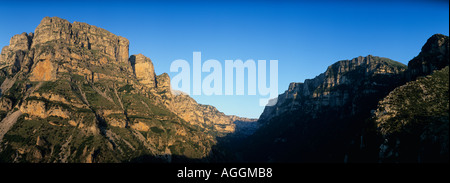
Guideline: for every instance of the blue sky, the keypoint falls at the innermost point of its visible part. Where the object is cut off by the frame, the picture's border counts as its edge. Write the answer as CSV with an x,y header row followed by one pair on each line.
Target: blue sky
x,y
305,37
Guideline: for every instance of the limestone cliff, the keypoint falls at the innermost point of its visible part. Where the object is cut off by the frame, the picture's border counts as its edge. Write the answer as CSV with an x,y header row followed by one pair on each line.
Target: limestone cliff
x,y
339,115
205,116
433,56
81,35
413,119
143,69
338,86
75,86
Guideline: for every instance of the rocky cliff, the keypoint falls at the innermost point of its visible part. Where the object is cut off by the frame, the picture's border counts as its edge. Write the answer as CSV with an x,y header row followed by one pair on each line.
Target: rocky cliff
x,y
144,70
330,118
338,86
70,92
413,119
433,56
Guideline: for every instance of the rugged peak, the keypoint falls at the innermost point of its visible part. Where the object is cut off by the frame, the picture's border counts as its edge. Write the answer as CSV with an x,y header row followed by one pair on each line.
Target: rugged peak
x,y
78,76
434,56
333,88
341,71
52,28
373,65
139,58
15,54
21,41
434,43
143,69
294,85
49,21
61,31
163,81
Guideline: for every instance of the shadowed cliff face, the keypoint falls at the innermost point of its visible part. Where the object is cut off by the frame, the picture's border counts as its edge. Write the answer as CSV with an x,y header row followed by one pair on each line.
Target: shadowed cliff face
x,y
71,93
318,120
413,120
82,35
340,86
331,118
143,69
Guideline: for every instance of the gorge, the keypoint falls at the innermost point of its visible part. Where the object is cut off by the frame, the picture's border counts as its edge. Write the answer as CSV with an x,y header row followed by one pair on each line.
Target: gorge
x,y
72,93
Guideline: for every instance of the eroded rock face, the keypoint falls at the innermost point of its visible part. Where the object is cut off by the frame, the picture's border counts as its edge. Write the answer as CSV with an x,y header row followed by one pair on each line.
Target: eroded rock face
x,y
202,115
78,77
316,118
140,126
434,56
43,71
339,115
143,69
57,40
83,35
16,54
163,82
20,42
5,104
41,110
336,87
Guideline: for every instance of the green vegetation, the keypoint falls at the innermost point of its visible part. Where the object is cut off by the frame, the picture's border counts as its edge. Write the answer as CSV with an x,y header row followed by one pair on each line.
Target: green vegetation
x,y
127,88
156,130
395,64
419,103
103,104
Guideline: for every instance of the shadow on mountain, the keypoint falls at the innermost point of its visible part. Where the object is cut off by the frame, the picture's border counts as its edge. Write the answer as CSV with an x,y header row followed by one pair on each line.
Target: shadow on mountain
x,y
226,150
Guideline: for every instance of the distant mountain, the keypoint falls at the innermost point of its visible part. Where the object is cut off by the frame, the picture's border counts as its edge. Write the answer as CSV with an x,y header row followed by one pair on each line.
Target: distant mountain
x,y
338,86
331,118
70,92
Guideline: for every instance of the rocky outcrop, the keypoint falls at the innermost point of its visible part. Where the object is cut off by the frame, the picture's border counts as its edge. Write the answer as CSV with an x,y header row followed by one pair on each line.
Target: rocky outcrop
x,y
319,120
54,40
337,86
43,71
434,56
60,31
295,92
5,104
143,69
19,42
413,118
414,121
163,82
337,117
41,110
15,56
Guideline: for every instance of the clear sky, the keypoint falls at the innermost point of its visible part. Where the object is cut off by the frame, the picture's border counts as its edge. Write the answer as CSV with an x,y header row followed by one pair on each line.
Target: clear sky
x,y
305,37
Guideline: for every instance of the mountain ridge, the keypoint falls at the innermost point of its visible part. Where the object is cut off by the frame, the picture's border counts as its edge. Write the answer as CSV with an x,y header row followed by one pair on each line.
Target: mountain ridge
x,y
72,93
330,118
